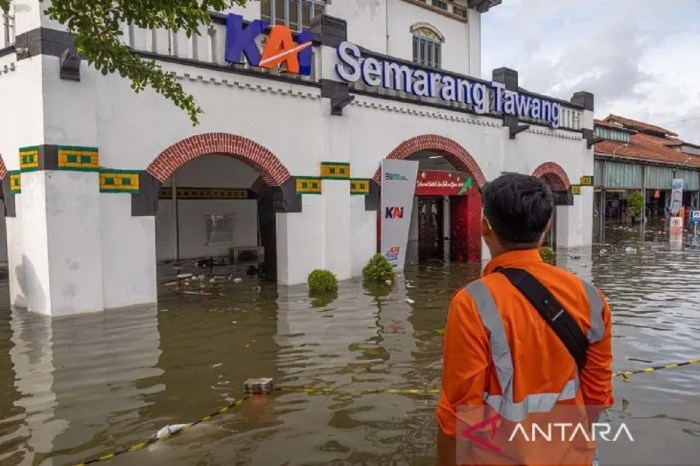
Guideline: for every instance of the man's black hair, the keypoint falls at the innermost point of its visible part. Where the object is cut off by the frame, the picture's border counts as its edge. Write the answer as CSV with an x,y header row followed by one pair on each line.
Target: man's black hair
x,y
518,208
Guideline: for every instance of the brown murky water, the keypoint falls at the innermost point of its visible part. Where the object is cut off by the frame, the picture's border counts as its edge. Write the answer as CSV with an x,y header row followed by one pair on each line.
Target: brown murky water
x,y
77,387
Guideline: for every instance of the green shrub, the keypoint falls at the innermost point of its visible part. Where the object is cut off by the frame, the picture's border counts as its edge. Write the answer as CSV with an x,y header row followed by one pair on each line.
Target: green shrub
x,y
635,203
322,281
378,270
548,255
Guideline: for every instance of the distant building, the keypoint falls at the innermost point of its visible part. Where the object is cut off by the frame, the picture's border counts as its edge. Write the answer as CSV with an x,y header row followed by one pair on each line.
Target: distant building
x,y
632,155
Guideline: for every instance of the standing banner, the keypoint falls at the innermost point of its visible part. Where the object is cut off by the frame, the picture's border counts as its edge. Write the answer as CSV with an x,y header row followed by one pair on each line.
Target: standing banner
x,y
676,197
398,188
676,227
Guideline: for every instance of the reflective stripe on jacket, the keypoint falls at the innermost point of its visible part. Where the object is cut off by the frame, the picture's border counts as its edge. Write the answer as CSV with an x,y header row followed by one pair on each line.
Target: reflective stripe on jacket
x,y
499,351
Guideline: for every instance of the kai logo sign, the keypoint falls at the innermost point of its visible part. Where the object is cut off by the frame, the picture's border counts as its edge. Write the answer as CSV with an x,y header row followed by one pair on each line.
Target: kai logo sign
x,y
393,212
289,50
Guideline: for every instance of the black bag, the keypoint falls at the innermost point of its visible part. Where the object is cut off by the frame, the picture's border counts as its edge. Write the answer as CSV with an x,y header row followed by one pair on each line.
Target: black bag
x,y
552,312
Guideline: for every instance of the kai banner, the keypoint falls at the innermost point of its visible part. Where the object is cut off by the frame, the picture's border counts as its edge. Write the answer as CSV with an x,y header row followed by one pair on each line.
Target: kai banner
x,y
398,188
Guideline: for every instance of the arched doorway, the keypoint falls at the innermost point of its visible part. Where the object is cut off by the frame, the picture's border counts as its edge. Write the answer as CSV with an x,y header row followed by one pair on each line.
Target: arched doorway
x,y
217,202
447,207
558,181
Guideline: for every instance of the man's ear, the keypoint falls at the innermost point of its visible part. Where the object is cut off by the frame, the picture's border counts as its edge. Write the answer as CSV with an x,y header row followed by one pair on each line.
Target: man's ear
x,y
486,230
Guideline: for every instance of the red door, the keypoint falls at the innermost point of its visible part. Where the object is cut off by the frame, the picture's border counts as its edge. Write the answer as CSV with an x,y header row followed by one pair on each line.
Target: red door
x,y
465,227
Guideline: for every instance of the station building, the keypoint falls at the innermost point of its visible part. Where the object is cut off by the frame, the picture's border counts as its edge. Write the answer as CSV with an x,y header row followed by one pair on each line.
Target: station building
x,y
101,184
632,155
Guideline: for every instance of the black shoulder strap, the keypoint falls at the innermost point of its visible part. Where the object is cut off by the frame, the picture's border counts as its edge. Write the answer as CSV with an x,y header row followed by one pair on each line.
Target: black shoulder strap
x,y
552,312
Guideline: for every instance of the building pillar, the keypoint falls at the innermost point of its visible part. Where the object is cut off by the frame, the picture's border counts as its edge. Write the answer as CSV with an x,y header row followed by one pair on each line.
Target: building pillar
x,y
56,259
128,234
341,253
300,241
583,204
61,262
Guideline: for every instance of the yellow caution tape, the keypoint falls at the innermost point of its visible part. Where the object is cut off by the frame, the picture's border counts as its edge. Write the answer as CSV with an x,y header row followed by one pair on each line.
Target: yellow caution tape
x,y
626,374
154,438
393,391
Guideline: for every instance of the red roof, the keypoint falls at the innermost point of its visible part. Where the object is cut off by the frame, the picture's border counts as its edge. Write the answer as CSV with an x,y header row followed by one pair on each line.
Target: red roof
x,y
646,147
638,125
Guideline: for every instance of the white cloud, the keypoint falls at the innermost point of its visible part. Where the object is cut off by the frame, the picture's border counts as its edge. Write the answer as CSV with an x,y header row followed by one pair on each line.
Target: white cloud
x,y
641,58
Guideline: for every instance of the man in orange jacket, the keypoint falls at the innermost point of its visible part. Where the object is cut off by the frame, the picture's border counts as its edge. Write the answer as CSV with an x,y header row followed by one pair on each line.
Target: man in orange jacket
x,y
503,356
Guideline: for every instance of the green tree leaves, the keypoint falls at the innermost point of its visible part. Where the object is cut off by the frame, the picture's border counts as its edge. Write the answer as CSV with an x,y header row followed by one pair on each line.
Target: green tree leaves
x,y
96,26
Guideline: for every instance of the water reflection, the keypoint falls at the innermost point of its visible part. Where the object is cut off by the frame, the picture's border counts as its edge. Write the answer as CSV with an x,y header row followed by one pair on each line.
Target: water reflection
x,y
75,380
73,388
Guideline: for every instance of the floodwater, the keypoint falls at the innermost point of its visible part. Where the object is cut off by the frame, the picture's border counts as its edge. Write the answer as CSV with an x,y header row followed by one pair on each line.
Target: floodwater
x,y
78,387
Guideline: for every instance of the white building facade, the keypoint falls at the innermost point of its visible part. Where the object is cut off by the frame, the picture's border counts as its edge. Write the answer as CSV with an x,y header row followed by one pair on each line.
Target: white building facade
x,y
99,183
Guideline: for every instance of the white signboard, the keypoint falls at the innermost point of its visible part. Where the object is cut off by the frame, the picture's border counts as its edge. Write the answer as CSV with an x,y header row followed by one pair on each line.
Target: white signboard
x,y
676,230
398,188
676,197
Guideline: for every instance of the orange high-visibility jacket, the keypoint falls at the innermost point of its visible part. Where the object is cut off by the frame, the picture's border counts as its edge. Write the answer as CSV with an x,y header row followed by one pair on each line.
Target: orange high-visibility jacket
x,y
499,351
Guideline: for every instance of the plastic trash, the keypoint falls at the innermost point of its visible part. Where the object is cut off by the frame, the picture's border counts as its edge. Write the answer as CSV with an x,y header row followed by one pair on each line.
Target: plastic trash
x,y
184,275
237,280
410,301
170,430
630,250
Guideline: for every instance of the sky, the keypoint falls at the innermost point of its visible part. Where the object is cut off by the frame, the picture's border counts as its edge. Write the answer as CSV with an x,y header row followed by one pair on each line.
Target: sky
x,y
640,58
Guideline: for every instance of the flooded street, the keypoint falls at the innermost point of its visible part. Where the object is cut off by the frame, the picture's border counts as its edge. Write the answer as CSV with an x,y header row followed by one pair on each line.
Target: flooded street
x,y
78,387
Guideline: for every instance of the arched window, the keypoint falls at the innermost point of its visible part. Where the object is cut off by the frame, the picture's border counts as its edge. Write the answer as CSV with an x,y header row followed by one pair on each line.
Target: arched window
x,y
427,45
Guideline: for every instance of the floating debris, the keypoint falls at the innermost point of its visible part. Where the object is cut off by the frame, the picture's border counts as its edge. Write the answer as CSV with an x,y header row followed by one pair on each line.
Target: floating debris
x,y
169,431
237,280
410,301
182,276
603,252
630,250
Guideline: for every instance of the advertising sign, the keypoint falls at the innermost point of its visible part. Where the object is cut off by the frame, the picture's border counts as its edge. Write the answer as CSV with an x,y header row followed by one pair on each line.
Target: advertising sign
x,y
442,183
676,196
398,188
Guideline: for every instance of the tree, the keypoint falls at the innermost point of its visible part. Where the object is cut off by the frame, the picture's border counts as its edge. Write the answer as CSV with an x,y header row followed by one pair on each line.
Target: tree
x,y
96,29
635,203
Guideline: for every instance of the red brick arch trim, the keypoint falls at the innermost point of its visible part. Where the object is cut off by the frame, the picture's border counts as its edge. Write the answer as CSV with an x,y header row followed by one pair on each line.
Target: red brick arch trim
x,y
244,149
3,168
554,175
448,148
